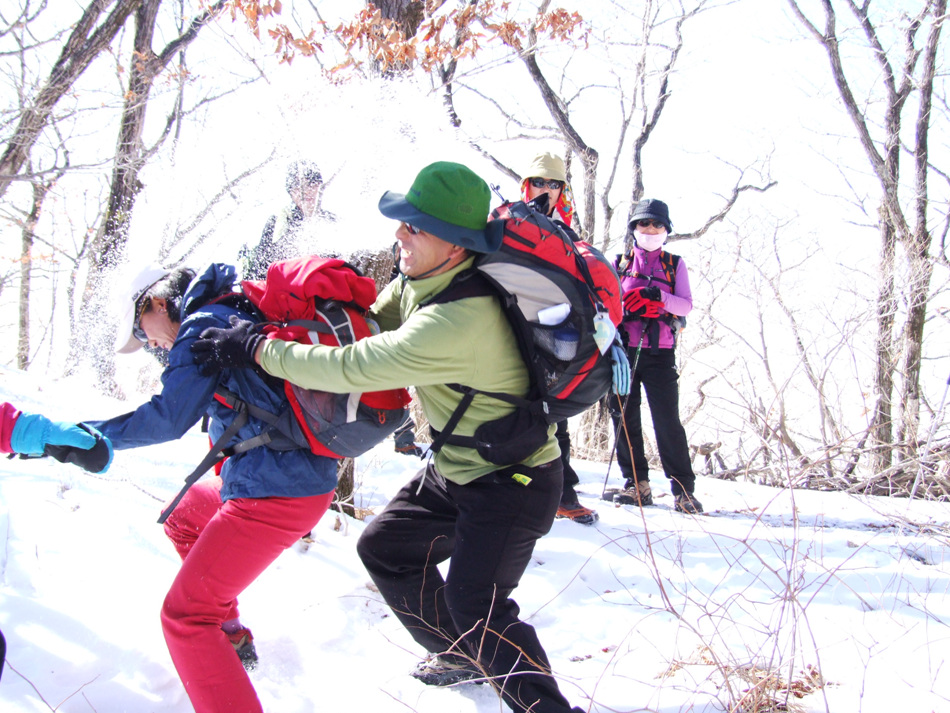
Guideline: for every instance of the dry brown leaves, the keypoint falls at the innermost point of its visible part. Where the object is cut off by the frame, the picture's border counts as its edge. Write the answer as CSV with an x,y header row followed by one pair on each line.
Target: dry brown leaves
x,y
457,34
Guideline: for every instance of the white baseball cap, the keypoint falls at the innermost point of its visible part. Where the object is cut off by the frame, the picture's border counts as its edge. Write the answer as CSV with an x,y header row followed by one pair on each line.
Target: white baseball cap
x,y
125,341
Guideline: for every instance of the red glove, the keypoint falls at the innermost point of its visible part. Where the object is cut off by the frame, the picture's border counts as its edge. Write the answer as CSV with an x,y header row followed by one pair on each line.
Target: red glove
x,y
642,302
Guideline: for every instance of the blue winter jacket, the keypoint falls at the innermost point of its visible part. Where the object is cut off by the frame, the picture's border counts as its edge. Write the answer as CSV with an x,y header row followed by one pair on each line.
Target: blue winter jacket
x,y
187,394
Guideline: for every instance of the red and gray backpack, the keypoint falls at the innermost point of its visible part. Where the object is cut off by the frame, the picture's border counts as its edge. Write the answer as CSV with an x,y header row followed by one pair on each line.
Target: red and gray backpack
x,y
562,299
311,300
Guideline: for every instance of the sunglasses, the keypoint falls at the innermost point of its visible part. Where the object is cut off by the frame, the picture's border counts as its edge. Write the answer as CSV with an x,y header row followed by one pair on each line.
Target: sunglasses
x,y
650,224
546,183
413,230
137,330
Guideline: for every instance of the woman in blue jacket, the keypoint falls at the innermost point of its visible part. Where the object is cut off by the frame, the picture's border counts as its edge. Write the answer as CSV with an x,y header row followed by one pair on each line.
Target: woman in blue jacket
x,y
227,529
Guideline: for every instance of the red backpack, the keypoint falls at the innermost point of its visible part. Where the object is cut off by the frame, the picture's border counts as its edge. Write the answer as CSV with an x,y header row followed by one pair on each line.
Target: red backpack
x,y
315,300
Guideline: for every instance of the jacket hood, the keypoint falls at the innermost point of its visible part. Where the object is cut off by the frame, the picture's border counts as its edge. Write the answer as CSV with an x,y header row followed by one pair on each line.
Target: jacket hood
x,y
217,279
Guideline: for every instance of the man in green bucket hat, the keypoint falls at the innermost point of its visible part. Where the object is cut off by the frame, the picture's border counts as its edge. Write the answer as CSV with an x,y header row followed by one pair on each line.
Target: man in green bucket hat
x,y
484,519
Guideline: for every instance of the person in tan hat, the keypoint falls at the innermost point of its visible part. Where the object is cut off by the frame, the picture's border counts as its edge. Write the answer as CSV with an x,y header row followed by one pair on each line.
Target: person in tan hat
x,y
547,174
545,185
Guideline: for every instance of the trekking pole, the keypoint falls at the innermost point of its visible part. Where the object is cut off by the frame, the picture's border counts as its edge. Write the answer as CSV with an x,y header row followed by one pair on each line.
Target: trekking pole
x,y
623,422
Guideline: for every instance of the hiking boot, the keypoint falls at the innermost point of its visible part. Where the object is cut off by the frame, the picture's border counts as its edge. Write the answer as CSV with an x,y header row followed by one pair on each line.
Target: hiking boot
x,y
243,642
577,512
641,495
687,502
446,671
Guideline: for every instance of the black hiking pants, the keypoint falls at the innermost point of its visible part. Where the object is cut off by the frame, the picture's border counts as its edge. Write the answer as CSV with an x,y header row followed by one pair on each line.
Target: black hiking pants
x,y
563,435
657,374
487,530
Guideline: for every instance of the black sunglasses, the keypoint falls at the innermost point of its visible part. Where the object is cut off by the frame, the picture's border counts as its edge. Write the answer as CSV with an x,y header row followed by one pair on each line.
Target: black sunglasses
x,y
413,230
137,330
650,224
546,182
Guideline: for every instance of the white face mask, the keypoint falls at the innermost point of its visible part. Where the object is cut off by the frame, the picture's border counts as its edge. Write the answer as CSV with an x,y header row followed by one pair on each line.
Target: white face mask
x,y
650,242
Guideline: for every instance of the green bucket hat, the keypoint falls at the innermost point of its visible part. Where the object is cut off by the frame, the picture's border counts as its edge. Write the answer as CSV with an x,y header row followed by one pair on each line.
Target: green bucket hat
x,y
450,201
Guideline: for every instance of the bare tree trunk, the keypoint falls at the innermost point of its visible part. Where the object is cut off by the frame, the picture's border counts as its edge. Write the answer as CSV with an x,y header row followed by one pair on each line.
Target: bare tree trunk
x,y
26,264
897,84
406,14
587,154
83,46
447,74
345,485
912,341
108,247
919,242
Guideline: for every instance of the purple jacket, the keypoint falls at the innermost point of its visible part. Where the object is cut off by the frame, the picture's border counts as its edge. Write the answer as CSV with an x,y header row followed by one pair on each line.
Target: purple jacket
x,y
645,269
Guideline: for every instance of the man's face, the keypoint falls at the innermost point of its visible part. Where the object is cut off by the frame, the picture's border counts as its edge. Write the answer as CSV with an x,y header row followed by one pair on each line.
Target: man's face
x,y
305,196
423,254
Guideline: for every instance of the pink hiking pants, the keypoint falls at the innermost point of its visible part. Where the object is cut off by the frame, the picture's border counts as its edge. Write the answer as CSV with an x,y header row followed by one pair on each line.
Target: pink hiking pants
x,y
224,547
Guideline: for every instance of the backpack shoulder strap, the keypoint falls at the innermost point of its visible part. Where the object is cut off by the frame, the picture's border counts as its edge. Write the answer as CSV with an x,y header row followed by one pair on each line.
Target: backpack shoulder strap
x,y
216,454
238,301
670,262
469,283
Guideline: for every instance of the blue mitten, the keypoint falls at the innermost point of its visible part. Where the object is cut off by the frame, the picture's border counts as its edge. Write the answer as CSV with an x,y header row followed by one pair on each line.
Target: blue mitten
x,y
96,459
33,432
621,370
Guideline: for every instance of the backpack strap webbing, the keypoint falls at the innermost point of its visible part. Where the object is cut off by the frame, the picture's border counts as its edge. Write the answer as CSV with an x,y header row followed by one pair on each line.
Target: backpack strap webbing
x,y
446,435
474,283
217,453
220,450
668,261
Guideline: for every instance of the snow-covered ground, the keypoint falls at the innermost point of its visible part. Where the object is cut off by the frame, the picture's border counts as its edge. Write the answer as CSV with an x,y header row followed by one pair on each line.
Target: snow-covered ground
x,y
653,611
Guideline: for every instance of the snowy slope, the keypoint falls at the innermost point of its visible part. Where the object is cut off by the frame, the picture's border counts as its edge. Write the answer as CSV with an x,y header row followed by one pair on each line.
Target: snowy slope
x,y
655,611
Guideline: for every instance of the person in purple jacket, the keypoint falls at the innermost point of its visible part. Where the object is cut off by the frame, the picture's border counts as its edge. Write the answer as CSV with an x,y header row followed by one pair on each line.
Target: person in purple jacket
x,y
656,298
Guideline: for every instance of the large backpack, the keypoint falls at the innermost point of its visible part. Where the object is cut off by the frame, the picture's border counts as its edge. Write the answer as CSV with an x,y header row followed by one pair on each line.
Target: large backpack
x,y
562,299
311,300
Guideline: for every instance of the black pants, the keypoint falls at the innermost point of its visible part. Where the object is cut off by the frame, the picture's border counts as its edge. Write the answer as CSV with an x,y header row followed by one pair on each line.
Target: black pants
x,y
568,495
657,373
487,529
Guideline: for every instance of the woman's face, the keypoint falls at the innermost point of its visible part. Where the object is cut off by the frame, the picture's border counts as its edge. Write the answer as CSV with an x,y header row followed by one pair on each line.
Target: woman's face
x,y
158,327
553,193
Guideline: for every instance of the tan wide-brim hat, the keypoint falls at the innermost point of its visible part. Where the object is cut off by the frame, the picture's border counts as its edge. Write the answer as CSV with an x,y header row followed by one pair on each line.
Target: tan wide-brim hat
x,y
546,165
125,342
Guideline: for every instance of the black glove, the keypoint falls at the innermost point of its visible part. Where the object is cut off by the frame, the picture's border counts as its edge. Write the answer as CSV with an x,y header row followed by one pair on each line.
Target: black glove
x,y
96,459
233,348
651,293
